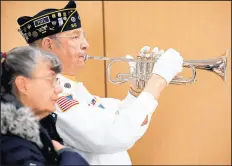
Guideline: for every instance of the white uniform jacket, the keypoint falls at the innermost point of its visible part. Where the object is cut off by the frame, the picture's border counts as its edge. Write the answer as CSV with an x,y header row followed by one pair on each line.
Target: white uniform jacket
x,y
101,129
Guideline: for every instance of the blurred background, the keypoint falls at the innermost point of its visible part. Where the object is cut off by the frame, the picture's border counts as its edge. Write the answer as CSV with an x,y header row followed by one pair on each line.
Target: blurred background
x,y
192,124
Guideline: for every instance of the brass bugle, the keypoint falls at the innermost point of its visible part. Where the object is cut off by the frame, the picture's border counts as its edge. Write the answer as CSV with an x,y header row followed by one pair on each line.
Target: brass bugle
x,y
145,63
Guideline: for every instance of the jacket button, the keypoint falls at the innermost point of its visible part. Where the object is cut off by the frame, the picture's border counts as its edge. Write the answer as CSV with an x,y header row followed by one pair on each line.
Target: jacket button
x,y
49,149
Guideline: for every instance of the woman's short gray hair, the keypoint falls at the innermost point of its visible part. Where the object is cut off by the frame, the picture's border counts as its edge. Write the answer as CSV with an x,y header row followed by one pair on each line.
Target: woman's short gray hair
x,y
22,61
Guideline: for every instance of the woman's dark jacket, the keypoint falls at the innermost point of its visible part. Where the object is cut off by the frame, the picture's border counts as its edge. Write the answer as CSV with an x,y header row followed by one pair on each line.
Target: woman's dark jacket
x,y
27,141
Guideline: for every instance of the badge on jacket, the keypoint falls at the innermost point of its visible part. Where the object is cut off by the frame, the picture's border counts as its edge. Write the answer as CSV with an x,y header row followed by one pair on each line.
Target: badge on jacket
x,y
66,102
94,101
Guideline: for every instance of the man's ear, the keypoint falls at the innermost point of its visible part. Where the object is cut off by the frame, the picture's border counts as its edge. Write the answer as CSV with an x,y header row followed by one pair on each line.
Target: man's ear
x,y
21,84
47,44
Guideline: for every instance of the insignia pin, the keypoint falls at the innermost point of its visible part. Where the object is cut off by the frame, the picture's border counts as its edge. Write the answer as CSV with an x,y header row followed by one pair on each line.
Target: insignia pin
x,y
29,26
60,21
54,23
35,34
73,19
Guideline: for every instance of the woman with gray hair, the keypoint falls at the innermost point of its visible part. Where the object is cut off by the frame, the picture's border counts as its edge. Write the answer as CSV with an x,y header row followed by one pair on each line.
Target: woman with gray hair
x,y
29,90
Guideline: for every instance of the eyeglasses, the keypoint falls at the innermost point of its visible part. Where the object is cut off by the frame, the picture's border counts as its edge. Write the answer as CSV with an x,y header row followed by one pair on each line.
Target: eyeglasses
x,y
53,80
81,37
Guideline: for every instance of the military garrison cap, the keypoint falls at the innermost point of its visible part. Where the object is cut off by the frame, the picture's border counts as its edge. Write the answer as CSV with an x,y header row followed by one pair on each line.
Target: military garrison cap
x,y
49,22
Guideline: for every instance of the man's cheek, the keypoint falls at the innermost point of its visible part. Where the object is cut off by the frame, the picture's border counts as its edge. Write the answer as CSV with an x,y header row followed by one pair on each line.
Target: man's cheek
x,y
74,47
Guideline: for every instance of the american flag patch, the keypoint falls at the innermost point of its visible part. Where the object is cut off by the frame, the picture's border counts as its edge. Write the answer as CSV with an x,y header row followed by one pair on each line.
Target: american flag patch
x,y
66,102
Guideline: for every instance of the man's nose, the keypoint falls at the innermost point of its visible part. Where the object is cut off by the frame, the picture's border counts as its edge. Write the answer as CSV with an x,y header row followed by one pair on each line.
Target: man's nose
x,y
84,44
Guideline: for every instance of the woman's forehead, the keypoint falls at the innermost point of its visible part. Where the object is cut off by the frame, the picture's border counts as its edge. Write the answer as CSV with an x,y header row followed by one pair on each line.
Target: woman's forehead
x,y
43,68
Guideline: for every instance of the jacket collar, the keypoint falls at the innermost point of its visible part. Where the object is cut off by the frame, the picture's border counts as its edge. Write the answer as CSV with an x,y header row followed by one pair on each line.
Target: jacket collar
x,y
21,122
68,78
73,78
67,84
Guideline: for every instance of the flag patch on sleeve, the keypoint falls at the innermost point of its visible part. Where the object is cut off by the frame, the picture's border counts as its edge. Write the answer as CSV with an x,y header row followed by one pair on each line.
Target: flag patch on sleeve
x,y
93,101
66,102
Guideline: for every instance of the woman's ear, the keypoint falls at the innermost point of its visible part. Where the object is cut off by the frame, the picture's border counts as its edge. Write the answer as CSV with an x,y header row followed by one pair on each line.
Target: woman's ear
x,y
47,43
21,84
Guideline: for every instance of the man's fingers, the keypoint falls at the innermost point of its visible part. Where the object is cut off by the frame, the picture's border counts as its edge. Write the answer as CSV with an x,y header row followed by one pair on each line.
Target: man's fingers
x,y
161,52
155,50
145,49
